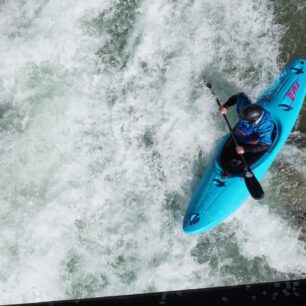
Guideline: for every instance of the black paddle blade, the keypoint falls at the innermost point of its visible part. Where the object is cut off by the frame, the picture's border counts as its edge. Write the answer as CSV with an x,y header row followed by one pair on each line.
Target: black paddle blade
x,y
253,185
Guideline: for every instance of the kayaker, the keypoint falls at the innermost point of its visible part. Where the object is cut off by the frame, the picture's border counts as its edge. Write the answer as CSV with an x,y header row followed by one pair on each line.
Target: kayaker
x,y
255,126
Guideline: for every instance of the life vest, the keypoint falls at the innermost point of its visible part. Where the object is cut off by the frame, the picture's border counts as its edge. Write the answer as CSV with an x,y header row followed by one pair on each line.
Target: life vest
x,y
247,133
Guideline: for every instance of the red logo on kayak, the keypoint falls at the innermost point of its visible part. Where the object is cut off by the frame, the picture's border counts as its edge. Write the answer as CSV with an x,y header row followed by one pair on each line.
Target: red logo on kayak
x,y
293,90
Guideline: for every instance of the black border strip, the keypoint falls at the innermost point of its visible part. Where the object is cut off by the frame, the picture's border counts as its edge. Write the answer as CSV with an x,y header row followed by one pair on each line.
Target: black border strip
x,y
291,293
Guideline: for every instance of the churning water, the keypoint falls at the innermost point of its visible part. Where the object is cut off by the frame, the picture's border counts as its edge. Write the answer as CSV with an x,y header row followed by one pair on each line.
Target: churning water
x,y
105,130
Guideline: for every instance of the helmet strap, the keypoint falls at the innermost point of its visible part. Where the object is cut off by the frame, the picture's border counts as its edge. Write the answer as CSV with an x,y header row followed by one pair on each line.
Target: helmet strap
x,y
258,120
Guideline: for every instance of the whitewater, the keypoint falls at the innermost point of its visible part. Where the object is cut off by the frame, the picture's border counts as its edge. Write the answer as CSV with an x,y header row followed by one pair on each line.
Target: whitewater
x,y
105,130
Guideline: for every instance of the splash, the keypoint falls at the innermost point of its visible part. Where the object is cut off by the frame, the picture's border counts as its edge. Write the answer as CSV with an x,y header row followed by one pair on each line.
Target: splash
x,y
106,129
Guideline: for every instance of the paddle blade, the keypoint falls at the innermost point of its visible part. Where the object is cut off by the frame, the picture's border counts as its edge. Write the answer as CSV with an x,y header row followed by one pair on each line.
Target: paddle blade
x,y
253,185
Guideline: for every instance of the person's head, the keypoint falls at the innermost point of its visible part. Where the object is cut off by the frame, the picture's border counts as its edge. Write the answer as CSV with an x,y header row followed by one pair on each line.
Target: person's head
x,y
251,113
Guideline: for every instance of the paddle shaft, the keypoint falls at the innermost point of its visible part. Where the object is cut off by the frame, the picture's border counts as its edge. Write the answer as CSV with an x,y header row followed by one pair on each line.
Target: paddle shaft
x,y
246,166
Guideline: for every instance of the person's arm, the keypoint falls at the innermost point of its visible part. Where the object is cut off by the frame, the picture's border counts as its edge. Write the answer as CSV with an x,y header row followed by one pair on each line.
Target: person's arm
x,y
230,102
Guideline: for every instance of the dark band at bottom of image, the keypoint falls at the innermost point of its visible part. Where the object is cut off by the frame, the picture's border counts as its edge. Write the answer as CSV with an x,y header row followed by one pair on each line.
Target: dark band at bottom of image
x,y
291,293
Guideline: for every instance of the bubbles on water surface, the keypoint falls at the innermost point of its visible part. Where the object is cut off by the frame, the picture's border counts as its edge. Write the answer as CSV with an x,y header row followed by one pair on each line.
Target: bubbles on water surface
x,y
106,131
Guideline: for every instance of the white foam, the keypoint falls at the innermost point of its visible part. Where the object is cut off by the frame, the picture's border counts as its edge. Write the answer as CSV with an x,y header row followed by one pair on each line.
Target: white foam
x,y
265,235
98,161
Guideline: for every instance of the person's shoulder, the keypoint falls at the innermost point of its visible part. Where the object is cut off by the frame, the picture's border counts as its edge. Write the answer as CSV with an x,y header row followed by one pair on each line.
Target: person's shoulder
x,y
267,116
267,121
242,101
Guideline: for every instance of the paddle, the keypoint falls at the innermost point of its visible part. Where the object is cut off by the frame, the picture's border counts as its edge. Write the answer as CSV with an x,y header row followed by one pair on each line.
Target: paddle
x,y
250,180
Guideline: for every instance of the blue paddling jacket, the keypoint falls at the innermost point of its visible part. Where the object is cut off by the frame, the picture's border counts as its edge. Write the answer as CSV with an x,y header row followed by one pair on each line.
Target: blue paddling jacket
x,y
254,137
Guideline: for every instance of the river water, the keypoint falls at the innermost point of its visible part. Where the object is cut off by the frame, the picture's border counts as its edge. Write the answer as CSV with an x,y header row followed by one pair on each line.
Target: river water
x,y
106,129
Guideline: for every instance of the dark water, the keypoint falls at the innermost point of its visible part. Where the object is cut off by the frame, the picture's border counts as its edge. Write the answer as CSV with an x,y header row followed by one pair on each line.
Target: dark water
x,y
292,16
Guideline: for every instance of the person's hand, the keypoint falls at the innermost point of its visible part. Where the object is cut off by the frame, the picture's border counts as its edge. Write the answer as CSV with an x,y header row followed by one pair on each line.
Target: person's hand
x,y
240,150
223,110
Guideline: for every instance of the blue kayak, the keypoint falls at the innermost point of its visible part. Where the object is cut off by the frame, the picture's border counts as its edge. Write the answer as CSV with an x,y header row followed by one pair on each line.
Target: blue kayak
x,y
217,196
